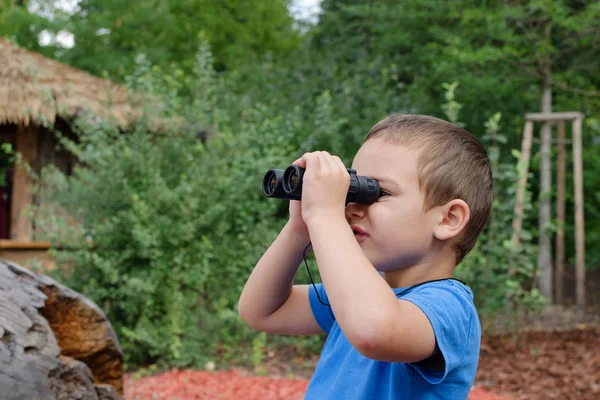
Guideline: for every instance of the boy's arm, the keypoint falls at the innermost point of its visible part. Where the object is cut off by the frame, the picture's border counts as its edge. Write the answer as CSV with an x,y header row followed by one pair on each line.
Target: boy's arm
x,y
375,322
270,301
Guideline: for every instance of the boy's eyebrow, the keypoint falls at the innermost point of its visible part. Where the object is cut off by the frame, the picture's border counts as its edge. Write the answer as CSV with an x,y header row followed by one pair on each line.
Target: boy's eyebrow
x,y
386,181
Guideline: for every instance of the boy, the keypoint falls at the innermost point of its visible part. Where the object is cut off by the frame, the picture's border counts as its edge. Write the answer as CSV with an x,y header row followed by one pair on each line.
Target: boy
x,y
398,325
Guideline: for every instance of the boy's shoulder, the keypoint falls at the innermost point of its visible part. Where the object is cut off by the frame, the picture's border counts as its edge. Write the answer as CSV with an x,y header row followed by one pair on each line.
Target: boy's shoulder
x,y
443,300
450,308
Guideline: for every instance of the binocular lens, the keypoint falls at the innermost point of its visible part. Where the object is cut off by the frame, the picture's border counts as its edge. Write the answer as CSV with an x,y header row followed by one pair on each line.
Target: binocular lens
x,y
293,180
270,183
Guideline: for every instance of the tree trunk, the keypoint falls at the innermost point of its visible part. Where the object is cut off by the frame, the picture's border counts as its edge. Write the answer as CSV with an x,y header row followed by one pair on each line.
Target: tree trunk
x,y
544,260
54,343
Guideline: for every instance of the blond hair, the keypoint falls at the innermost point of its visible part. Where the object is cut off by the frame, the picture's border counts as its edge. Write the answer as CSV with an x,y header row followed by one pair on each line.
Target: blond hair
x,y
452,165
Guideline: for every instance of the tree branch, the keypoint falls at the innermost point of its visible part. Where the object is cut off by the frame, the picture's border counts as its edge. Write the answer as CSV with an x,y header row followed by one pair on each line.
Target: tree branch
x,y
591,93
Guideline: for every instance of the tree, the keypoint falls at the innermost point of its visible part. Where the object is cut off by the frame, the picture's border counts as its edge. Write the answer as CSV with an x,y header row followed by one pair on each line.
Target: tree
x,y
109,34
19,24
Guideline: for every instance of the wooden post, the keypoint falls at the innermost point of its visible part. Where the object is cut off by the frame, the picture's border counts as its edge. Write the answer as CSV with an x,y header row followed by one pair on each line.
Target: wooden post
x,y
579,229
21,227
523,171
560,215
544,260
578,189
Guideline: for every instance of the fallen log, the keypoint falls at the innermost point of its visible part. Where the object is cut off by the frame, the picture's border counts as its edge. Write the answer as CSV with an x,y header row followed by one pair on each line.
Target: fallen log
x,y
54,342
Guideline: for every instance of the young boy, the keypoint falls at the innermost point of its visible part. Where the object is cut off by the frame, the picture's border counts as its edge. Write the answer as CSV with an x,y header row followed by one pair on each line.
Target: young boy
x,y
398,325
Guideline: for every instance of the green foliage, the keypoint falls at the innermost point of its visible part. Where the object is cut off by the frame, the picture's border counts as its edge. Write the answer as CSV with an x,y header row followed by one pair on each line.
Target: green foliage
x,y
23,27
162,229
499,273
168,33
110,35
497,49
172,226
258,347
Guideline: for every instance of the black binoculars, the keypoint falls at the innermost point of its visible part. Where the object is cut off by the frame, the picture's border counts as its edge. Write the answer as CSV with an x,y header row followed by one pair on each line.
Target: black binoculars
x,y
287,185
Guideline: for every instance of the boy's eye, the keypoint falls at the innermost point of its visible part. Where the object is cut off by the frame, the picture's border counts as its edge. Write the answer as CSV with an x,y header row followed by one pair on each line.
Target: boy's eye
x,y
383,193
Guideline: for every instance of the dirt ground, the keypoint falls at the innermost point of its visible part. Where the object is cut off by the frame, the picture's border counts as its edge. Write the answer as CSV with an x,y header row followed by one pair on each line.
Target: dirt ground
x,y
553,364
559,364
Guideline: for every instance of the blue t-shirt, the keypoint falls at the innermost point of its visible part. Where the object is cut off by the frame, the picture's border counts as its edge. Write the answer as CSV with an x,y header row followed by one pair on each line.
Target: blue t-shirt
x,y
344,373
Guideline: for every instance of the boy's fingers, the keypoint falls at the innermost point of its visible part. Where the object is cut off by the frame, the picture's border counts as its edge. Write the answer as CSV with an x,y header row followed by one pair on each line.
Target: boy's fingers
x,y
334,162
300,162
311,160
333,165
339,162
324,163
307,156
320,159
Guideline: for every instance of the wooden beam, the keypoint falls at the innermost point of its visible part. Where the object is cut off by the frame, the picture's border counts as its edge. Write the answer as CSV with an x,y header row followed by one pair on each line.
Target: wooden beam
x,y
523,171
579,229
21,226
544,259
16,245
544,117
559,274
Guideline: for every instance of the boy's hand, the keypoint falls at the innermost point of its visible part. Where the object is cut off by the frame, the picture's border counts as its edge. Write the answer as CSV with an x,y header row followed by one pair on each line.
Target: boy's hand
x,y
325,186
296,222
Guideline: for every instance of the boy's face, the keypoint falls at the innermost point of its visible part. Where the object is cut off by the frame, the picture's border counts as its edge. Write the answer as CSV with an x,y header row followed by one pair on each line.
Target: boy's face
x,y
400,233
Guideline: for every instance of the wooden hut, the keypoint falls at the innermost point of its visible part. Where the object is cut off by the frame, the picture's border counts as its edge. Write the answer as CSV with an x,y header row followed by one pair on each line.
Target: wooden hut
x,y
37,92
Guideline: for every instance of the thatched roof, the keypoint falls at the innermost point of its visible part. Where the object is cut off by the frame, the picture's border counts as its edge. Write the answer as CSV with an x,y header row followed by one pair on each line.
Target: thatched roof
x,y
35,89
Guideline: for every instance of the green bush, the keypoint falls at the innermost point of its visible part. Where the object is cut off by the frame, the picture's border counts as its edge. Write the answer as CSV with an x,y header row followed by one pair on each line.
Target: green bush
x,y
163,229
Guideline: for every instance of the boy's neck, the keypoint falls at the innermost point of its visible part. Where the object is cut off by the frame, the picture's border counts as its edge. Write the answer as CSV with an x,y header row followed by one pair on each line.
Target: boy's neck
x,y
439,268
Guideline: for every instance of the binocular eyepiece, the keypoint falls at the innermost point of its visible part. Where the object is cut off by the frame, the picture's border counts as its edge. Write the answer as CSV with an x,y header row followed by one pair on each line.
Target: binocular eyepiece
x,y
287,185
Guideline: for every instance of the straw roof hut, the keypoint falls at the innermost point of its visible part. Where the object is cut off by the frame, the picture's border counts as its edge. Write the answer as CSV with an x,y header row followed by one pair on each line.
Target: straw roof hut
x,y
35,89
36,92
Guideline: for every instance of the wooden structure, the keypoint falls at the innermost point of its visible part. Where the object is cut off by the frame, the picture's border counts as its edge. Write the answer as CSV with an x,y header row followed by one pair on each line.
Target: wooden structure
x,y
559,118
35,93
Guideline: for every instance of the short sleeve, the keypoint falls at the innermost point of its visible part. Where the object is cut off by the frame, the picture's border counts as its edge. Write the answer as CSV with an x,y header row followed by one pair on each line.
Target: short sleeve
x,y
450,309
322,313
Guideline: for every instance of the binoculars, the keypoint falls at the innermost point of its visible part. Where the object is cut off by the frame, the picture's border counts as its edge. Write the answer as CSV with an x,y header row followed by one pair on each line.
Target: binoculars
x,y
287,185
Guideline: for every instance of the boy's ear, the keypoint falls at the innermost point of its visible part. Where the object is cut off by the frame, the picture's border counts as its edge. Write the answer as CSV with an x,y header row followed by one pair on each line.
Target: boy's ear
x,y
452,219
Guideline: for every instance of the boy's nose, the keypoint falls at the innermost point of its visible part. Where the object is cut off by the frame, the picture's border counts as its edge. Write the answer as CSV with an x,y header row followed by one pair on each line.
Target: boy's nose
x,y
355,210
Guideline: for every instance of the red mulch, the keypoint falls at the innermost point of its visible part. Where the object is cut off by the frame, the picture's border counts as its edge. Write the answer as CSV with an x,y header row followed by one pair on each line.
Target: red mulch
x,y
229,385
543,365
202,385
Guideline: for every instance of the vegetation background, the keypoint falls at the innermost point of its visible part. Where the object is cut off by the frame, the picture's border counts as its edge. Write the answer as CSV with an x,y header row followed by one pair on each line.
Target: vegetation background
x,y
167,226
